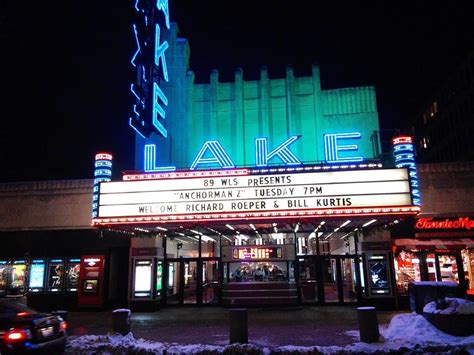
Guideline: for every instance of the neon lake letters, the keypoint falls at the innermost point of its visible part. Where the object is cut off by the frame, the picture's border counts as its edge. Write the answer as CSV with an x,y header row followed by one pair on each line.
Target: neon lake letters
x,y
212,152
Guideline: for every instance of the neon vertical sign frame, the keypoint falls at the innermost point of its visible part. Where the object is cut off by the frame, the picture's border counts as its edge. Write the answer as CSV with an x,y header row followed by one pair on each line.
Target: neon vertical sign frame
x,y
102,173
404,154
149,61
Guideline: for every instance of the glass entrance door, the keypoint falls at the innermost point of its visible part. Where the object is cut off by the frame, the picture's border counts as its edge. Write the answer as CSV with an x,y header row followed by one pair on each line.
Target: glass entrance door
x,y
210,281
349,279
332,280
190,281
329,279
193,281
308,280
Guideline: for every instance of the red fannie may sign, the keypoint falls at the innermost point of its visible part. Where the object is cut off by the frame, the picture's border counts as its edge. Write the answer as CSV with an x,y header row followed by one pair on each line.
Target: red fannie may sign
x,y
447,223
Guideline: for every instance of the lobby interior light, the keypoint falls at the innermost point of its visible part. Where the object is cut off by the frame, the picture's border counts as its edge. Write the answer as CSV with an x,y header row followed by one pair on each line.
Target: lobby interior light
x,y
213,231
369,223
162,229
319,226
345,223
182,241
346,235
205,238
327,237
229,226
195,232
297,227
252,226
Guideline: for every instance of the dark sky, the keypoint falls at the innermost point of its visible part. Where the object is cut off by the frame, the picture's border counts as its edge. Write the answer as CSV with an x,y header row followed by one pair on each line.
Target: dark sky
x,y
65,65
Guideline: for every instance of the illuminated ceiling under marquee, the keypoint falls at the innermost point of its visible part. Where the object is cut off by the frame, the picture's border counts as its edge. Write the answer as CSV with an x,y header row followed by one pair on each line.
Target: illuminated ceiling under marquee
x,y
243,194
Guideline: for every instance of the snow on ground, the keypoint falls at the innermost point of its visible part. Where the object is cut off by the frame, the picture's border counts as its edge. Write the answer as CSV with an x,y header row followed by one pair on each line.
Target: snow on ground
x,y
454,306
407,330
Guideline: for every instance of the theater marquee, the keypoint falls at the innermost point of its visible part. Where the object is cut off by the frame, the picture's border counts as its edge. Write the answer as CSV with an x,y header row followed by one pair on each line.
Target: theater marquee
x,y
242,194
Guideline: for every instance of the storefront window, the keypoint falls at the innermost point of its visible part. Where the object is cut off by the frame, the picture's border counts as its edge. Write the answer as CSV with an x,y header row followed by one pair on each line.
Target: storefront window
x,y
448,268
407,269
468,262
431,262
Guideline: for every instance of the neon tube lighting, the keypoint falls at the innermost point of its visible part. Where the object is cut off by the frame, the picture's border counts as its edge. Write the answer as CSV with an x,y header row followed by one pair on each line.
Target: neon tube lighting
x,y
185,174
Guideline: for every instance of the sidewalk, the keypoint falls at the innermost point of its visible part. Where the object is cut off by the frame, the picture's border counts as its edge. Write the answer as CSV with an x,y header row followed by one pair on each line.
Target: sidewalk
x,y
278,326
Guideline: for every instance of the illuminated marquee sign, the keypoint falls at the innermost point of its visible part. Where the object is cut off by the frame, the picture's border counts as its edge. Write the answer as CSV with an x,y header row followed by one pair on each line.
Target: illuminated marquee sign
x,y
254,253
255,195
447,223
149,60
213,154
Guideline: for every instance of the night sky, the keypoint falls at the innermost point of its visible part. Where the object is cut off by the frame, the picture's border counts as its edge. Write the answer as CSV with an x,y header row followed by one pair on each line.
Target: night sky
x,y
65,65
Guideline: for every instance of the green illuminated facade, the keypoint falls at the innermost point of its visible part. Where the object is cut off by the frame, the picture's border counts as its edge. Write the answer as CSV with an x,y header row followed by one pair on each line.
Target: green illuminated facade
x,y
235,113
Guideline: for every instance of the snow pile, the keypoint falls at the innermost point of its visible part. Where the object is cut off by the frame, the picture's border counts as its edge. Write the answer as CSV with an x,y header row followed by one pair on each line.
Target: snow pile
x,y
94,344
116,343
412,331
454,306
407,332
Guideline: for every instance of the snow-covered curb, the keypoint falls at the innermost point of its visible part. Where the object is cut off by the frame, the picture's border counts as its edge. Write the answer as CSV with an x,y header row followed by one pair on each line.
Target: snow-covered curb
x,y
408,332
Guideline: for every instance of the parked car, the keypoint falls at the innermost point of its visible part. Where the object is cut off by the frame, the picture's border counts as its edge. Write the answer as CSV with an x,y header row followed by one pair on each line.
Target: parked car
x,y
22,329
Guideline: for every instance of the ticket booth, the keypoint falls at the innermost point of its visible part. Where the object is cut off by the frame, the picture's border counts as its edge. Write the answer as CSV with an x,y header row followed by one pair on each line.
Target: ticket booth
x,y
91,291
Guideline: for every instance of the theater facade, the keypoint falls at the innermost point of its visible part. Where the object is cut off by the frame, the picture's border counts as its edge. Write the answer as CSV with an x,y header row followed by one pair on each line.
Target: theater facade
x,y
250,192
268,191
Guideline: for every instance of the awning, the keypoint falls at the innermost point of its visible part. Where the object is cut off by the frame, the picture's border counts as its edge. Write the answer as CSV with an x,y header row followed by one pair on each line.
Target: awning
x,y
424,244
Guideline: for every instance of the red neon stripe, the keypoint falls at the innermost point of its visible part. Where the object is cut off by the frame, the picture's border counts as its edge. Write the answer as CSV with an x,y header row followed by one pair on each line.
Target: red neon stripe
x,y
403,139
185,174
103,156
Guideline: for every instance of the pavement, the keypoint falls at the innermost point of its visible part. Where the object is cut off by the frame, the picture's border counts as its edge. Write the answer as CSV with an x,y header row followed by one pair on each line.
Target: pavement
x,y
276,326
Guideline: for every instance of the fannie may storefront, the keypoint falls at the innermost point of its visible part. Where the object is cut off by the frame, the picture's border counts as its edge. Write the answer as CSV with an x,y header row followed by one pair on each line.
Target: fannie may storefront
x,y
251,192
